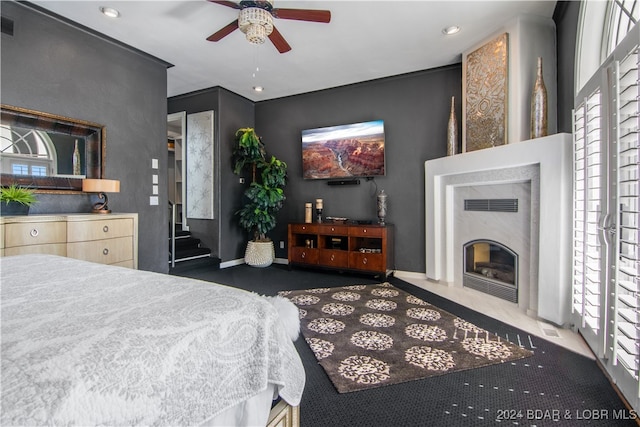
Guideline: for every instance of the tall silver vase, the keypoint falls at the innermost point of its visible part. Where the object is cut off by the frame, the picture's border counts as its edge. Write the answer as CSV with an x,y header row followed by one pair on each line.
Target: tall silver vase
x,y
452,130
539,125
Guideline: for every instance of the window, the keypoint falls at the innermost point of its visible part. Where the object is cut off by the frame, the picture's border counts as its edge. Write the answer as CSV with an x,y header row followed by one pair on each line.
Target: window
x,y
621,16
602,26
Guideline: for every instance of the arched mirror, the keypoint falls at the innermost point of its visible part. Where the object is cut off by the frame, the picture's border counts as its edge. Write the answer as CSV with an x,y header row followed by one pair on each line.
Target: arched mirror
x,y
49,153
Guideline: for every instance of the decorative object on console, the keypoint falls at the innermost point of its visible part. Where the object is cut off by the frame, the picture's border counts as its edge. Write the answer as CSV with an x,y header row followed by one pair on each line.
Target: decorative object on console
x,y
101,186
15,200
319,210
265,194
308,212
539,106
485,87
382,206
452,130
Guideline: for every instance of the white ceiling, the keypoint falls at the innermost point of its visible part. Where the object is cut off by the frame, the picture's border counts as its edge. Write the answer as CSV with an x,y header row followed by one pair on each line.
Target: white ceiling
x,y
365,40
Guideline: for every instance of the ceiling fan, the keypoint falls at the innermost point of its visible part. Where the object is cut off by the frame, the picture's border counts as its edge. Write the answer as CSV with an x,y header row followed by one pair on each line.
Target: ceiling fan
x,y
256,21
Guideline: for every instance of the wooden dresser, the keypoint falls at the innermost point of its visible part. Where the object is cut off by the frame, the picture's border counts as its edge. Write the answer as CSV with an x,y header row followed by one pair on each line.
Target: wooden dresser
x,y
364,248
106,239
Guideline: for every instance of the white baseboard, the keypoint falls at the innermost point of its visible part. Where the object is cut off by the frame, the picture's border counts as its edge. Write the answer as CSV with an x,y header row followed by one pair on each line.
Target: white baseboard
x,y
231,263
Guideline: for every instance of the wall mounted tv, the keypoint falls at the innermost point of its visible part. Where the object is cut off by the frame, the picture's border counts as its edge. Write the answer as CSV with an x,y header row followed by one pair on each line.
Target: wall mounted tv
x,y
346,151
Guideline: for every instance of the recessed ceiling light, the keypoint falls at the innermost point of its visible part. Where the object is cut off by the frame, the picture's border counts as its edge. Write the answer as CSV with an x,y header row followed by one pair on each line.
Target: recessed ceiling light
x,y
109,12
258,88
450,30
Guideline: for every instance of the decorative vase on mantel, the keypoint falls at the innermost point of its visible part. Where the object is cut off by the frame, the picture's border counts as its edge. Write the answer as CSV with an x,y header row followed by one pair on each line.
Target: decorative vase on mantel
x,y
452,130
539,125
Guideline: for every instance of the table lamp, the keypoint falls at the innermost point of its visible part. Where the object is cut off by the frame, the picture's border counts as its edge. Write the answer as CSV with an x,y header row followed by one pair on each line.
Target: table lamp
x,y
101,186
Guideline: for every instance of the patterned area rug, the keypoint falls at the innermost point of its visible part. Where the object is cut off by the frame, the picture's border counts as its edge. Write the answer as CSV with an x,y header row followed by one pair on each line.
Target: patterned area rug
x,y
367,336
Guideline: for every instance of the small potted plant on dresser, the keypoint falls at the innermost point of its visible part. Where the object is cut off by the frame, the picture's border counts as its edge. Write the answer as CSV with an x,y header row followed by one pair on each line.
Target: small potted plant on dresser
x,y
16,200
264,196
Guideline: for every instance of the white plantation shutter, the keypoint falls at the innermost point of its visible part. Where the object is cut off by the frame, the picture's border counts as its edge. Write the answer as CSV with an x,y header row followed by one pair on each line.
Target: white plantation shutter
x,y
589,179
606,221
625,127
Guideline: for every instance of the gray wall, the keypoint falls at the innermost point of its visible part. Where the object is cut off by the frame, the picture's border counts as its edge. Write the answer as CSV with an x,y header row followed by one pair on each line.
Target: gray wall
x,y
566,19
231,112
415,109
51,66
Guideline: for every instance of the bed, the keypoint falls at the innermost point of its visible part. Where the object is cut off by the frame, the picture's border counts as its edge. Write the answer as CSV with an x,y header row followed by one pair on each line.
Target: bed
x,y
91,344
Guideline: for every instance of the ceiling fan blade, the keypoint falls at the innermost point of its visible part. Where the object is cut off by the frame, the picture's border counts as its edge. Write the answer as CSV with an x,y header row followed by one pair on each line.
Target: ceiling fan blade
x,y
223,32
278,41
302,14
227,3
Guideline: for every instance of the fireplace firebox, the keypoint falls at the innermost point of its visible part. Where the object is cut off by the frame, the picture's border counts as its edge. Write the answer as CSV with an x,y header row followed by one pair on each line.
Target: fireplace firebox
x,y
492,268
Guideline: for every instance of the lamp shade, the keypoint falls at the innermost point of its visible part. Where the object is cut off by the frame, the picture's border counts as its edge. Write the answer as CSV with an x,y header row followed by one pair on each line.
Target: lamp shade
x,y
100,185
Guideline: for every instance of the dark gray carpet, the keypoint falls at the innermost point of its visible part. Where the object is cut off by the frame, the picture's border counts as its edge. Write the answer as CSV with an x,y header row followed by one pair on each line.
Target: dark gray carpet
x,y
554,387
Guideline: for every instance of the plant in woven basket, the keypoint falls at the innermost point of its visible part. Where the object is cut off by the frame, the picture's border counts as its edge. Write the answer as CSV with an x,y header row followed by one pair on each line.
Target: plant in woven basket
x,y
265,194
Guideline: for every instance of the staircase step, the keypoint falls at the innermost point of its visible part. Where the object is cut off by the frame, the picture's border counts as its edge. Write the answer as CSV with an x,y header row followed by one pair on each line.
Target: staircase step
x,y
180,234
192,253
210,263
187,242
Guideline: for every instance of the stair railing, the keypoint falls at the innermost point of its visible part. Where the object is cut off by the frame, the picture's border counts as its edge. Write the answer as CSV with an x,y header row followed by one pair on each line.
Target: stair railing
x,y
172,207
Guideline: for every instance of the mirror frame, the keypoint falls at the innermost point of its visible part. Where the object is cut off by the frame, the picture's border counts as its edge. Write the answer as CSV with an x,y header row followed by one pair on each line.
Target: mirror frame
x,y
95,136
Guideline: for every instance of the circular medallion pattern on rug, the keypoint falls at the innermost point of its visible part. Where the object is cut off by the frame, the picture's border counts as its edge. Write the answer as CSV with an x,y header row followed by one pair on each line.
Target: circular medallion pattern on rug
x,y
364,369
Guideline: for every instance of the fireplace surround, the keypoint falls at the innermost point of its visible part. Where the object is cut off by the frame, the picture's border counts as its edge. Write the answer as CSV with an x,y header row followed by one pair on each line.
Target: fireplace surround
x,y
539,171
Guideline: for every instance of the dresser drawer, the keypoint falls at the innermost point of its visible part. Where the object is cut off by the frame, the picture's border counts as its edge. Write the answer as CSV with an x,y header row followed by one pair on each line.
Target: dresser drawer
x,y
34,233
366,261
304,255
334,258
99,229
107,251
59,249
333,230
364,231
304,228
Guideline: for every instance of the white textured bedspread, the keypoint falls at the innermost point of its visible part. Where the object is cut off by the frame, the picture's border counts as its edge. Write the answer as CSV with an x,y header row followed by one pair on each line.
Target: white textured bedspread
x,y
88,344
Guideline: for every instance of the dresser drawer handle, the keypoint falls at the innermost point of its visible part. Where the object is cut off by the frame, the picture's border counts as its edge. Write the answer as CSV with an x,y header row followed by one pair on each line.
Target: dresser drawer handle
x,y
304,254
364,261
34,232
333,229
105,251
105,228
333,257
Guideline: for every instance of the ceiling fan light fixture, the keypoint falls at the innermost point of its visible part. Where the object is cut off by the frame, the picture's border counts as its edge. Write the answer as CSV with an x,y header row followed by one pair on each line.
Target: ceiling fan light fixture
x,y
256,24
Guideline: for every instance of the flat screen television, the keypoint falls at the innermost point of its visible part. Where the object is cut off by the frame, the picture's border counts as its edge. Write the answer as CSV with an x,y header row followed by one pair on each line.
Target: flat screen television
x,y
346,151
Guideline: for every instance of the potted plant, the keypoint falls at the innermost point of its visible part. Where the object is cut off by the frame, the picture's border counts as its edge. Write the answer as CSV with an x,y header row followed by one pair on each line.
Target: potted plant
x,y
264,196
16,200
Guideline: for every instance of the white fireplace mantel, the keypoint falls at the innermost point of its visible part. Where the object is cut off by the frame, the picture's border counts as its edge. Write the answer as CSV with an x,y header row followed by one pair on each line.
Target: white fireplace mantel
x,y
552,156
